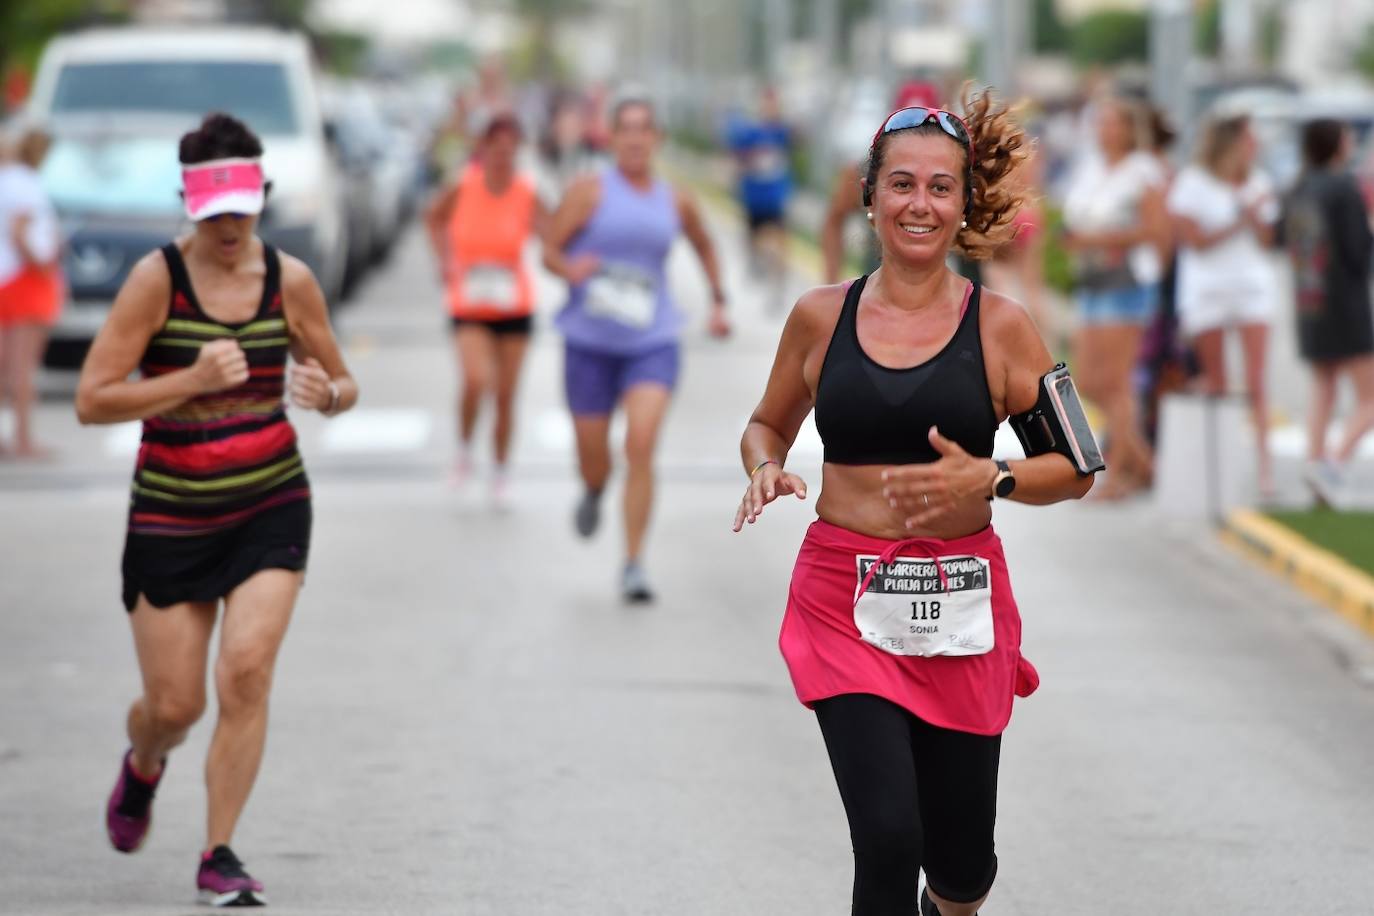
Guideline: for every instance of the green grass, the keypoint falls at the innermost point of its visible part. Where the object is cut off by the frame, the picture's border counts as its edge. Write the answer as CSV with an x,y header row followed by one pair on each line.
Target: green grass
x,y
1349,535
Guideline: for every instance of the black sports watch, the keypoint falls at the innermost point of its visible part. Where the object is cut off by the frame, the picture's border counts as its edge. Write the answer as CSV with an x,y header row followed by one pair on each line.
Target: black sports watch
x,y
1005,481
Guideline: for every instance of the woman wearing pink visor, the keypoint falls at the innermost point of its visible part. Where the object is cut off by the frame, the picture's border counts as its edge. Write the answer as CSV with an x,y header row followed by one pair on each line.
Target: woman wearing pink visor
x,y
220,509
901,630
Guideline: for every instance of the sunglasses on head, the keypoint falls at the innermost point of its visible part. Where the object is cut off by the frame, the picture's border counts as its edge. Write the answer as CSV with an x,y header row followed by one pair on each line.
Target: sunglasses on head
x,y
950,123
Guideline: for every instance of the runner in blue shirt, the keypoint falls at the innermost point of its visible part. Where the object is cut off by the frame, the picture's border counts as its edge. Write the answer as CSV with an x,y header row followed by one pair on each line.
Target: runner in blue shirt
x,y
763,150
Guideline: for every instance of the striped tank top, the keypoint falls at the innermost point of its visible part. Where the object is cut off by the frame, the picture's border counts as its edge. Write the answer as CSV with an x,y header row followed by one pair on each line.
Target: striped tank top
x,y
222,458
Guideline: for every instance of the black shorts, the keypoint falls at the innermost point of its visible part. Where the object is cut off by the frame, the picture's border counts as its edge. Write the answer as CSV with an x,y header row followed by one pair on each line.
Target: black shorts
x,y
168,570
498,326
763,219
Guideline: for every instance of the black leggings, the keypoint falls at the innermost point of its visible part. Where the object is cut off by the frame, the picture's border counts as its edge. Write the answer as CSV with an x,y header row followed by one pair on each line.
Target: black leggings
x,y
916,796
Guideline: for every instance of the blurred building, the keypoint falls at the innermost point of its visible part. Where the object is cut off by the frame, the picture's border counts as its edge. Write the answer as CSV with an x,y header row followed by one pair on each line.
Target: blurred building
x,y
1321,37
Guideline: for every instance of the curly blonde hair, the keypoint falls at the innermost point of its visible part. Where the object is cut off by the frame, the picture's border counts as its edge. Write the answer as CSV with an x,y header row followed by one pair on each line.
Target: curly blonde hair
x,y
994,189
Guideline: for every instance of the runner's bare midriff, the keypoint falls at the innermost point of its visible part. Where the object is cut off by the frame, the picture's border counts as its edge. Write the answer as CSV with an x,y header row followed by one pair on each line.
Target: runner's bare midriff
x,y
852,497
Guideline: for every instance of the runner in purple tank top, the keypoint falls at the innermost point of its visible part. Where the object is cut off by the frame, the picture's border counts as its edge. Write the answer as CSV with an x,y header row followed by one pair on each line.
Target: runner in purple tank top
x,y
610,240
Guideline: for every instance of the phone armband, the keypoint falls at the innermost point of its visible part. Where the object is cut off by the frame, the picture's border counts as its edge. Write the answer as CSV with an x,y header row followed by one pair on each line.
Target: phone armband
x,y
1058,424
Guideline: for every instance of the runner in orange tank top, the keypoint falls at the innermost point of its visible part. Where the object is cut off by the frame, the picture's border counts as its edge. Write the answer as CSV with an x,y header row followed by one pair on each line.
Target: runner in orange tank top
x,y
479,227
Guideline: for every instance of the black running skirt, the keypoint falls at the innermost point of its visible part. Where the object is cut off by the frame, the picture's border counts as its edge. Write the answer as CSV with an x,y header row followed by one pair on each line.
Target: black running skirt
x,y
169,570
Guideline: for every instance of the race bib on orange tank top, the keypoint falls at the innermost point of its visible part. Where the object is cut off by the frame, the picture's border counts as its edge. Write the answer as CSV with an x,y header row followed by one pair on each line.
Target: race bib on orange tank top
x,y
491,285
909,608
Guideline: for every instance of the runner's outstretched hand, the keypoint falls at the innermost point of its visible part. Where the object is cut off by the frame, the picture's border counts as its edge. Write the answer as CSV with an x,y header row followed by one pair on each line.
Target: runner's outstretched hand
x,y
767,484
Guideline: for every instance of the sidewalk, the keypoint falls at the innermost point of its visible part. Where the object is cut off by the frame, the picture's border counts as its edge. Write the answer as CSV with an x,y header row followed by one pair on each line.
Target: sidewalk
x,y
1321,574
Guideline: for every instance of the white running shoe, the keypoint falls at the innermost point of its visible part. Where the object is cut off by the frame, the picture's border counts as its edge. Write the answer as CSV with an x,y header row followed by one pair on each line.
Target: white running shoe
x,y
634,584
501,499
461,473
1327,482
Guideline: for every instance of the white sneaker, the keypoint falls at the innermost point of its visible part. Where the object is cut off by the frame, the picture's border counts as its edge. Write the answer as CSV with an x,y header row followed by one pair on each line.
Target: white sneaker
x,y
501,499
634,584
461,472
1327,482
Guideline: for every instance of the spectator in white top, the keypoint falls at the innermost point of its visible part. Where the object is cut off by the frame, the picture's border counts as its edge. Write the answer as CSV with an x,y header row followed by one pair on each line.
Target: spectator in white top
x,y
1116,226
1224,210
31,287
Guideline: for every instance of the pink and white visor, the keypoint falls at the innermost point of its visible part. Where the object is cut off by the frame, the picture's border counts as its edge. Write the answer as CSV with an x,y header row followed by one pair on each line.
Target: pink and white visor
x,y
223,186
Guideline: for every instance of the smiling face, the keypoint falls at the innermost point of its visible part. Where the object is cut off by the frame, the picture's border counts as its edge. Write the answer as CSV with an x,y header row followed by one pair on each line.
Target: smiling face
x,y
918,199
226,237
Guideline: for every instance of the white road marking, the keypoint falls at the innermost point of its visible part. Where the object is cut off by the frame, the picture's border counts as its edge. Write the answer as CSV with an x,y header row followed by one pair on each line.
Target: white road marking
x,y
378,429
553,429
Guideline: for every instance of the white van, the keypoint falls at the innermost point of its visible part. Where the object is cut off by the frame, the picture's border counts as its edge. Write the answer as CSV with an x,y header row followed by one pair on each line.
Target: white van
x,y
116,100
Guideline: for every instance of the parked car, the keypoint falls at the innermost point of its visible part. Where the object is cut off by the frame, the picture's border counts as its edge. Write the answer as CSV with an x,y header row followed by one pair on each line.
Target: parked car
x,y
116,100
379,163
354,154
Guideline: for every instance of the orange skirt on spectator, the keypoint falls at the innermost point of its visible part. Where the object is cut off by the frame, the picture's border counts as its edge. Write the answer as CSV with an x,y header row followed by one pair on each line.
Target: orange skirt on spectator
x,y
32,296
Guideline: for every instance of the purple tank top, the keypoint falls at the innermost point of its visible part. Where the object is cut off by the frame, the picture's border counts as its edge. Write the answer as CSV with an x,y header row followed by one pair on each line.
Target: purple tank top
x,y
625,308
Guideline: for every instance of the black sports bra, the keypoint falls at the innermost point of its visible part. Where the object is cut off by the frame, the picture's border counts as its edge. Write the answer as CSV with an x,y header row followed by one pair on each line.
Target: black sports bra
x,y
867,413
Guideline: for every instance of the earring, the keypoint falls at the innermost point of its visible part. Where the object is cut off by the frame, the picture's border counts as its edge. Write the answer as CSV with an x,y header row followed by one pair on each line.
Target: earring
x,y
963,224
870,216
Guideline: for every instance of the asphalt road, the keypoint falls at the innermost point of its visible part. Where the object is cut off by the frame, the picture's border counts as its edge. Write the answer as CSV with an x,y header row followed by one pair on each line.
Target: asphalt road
x,y
466,720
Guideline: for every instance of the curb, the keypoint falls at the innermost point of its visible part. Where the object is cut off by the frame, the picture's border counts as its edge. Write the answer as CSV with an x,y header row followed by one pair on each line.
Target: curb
x,y
1319,573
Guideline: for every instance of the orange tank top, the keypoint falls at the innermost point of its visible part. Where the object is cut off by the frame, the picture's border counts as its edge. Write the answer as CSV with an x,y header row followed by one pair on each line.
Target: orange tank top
x,y
486,235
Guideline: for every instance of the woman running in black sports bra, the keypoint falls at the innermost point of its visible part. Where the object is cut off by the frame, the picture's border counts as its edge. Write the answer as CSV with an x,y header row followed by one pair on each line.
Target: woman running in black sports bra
x,y
901,630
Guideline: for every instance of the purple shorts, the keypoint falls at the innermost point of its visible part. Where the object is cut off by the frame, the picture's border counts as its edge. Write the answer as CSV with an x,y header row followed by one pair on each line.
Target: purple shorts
x,y
596,381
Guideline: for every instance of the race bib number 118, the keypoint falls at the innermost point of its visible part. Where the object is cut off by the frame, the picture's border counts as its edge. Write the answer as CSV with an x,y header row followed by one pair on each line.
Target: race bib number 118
x,y
909,609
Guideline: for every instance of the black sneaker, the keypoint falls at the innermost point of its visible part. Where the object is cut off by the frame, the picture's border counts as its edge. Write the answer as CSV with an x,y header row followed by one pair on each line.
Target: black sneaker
x,y
587,517
223,882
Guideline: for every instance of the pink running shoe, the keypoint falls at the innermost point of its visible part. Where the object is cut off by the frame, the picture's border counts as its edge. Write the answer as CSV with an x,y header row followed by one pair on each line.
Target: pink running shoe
x,y
129,813
223,882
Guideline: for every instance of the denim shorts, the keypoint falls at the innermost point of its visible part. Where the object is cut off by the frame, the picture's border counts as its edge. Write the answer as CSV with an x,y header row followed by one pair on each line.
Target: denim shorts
x,y
1123,305
595,382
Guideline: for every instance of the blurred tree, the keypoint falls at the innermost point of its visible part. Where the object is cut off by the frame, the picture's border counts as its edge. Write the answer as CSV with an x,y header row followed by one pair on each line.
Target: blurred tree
x,y
852,12
1271,37
343,52
1110,37
543,17
287,14
26,25
1207,28
1049,35
1364,54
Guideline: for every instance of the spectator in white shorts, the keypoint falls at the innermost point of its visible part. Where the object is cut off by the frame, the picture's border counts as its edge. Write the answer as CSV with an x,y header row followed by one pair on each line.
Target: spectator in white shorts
x,y
1224,210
